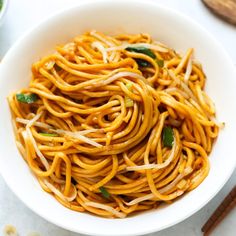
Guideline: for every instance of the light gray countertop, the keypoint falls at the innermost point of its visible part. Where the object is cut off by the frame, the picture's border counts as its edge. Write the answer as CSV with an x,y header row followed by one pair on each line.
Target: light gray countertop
x,y
23,14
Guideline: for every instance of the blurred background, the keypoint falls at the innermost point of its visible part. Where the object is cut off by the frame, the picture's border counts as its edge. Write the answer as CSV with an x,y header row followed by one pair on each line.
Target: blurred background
x,y
21,15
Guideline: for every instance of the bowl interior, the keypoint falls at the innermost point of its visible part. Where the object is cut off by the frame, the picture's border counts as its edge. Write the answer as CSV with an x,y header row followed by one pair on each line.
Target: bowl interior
x,y
115,17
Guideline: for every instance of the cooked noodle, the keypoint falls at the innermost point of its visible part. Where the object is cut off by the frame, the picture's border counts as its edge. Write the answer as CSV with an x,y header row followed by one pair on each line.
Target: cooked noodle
x,y
115,125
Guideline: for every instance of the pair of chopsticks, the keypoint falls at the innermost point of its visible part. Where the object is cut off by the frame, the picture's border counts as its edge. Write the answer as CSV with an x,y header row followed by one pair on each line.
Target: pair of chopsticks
x,y
220,213
226,9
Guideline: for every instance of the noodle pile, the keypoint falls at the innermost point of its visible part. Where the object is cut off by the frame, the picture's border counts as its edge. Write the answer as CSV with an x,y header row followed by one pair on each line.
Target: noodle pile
x,y
115,125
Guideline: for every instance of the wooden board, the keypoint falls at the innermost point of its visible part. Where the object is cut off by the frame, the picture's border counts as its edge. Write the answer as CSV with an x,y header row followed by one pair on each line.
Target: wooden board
x,y
226,9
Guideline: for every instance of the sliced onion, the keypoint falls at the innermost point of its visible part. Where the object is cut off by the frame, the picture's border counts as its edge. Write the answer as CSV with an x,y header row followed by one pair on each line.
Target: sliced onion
x,y
88,131
21,149
156,166
79,136
140,199
38,124
110,44
39,153
186,171
58,192
117,76
122,74
49,65
182,84
112,56
106,208
118,48
149,197
155,42
28,135
69,46
173,89
100,47
188,70
197,63
94,34
142,167
163,190
33,120
46,126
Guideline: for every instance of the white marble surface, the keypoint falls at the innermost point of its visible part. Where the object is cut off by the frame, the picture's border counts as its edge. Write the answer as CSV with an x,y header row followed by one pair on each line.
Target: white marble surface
x,y
23,14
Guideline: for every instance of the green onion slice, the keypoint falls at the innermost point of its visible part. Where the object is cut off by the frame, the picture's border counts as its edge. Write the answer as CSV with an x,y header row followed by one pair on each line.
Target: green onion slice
x,y
49,135
104,192
160,63
168,136
27,98
142,50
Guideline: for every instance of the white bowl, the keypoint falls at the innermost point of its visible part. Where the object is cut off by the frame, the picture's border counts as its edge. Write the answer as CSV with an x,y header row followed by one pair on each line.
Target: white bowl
x,y
113,17
3,10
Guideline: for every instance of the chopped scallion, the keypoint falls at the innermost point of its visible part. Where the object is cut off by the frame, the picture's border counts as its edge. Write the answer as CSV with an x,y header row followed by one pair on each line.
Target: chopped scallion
x,y
104,192
160,63
129,102
49,135
168,136
129,86
142,63
142,50
27,98
57,68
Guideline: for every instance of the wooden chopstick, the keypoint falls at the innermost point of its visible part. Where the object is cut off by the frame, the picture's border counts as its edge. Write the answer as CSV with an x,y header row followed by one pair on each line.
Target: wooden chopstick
x,y
219,214
226,9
